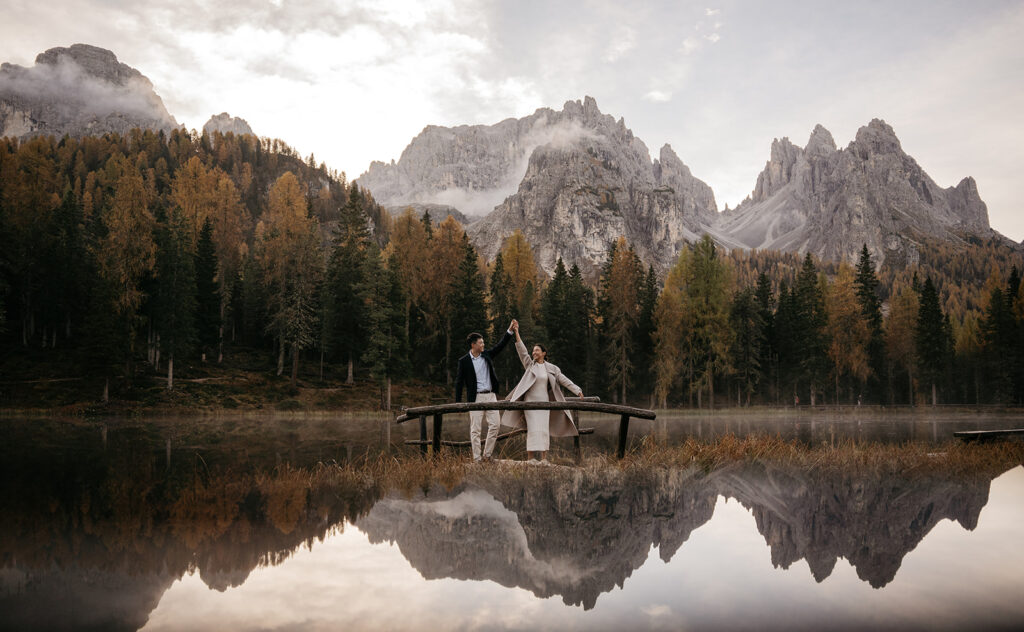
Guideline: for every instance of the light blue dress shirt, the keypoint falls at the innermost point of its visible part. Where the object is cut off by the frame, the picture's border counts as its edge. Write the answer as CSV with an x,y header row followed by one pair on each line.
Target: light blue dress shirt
x,y
483,378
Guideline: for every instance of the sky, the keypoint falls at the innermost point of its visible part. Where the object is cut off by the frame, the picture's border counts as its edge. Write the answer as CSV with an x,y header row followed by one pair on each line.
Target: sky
x,y
355,81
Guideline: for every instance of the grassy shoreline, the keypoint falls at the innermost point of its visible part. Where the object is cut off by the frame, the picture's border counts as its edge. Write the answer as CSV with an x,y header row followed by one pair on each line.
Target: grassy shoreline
x,y
247,384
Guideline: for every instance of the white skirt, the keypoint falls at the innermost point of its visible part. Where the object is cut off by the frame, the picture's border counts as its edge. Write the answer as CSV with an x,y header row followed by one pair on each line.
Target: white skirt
x,y
538,422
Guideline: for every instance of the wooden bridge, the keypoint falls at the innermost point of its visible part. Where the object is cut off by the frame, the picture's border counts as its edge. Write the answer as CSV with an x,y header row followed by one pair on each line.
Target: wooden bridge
x,y
989,435
592,404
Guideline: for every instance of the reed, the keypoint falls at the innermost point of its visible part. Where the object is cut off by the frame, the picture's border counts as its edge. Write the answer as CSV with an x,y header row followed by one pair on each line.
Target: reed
x,y
408,474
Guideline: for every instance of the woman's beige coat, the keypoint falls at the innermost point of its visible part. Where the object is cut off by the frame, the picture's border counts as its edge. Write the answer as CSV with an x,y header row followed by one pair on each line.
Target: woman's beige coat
x,y
562,425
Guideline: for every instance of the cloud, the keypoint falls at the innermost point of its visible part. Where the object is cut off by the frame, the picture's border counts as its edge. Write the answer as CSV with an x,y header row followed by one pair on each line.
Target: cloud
x,y
656,611
623,42
711,12
479,202
75,92
658,96
690,45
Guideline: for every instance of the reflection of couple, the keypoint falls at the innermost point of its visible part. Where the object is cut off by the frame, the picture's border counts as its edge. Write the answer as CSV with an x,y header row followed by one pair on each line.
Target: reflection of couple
x,y
541,382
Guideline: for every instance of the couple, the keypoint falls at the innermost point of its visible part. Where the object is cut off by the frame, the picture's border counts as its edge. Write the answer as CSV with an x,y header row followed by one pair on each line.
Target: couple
x,y
540,383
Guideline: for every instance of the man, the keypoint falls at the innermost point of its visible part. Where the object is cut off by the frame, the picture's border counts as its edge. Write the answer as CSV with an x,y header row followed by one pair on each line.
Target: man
x,y
476,374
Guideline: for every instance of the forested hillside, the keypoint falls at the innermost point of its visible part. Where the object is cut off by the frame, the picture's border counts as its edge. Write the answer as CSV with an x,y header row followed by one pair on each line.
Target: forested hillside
x,y
123,257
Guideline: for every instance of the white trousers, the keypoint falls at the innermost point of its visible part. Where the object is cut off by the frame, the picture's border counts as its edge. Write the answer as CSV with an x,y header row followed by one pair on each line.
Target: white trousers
x,y
493,425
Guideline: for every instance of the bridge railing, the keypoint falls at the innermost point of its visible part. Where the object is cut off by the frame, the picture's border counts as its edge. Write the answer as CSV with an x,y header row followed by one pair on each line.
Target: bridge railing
x,y
588,404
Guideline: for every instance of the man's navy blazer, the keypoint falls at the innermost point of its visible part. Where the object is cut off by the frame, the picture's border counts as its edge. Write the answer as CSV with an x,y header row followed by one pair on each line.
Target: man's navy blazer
x,y
466,377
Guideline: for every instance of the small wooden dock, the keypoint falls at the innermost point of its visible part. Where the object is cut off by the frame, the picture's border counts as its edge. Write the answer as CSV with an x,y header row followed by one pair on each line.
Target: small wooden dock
x,y
990,435
591,404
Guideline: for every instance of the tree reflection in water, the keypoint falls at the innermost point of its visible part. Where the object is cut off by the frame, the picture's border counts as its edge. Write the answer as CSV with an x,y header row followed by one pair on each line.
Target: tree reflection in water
x,y
94,538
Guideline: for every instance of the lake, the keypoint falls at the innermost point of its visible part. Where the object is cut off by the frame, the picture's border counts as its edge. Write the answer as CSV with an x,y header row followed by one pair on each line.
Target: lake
x,y
234,523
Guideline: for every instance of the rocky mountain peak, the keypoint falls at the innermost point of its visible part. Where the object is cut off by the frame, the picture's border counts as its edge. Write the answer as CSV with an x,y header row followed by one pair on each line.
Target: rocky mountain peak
x,y
820,143
93,61
670,162
877,137
965,202
587,181
830,202
225,123
586,109
778,171
80,90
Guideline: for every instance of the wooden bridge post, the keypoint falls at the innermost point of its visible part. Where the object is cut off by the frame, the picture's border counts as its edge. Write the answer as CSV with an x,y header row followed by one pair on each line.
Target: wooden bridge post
x,y
437,433
576,449
423,434
623,433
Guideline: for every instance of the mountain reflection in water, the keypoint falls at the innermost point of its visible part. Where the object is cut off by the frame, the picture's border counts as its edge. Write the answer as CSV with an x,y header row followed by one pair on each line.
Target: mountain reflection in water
x,y
579,536
94,539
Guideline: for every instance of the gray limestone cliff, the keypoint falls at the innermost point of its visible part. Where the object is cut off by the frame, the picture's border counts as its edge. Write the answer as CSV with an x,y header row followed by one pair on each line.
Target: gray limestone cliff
x,y
225,123
830,201
572,180
81,90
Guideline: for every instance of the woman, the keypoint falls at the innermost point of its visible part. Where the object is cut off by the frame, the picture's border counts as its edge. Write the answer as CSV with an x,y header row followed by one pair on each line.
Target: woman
x,y
540,383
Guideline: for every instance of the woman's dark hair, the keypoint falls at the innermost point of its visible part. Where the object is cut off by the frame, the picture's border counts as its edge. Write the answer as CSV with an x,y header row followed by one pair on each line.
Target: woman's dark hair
x,y
473,337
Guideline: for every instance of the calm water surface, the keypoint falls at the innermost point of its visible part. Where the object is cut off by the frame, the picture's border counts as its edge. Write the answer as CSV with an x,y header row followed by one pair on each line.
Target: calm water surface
x,y
186,525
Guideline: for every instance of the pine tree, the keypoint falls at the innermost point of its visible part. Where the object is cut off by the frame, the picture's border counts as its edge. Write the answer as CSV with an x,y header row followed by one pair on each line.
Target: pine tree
x,y
125,255
580,351
708,291
931,339
554,311
502,311
810,320
768,360
866,284
900,328
291,265
469,310
408,255
789,340
619,308
672,318
967,346
175,299
346,327
385,351
522,273
207,296
230,220
997,333
447,248
1015,334
68,268
648,301
748,335
849,335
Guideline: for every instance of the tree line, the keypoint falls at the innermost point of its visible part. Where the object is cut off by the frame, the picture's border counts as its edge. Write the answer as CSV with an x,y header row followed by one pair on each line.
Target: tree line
x,y
147,249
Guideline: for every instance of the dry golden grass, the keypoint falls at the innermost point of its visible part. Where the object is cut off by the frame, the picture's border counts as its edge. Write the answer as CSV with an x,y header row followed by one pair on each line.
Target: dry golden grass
x,y
953,457
408,474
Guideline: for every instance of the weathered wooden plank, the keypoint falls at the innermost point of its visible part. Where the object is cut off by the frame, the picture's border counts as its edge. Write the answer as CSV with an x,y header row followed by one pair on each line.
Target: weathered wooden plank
x,y
623,434
584,406
423,434
990,435
438,418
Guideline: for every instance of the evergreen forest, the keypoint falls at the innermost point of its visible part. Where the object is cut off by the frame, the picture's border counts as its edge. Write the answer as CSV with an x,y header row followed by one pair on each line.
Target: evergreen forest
x,y
124,257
